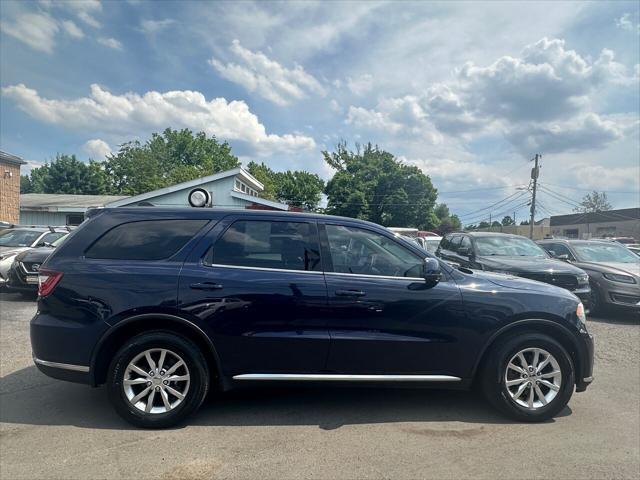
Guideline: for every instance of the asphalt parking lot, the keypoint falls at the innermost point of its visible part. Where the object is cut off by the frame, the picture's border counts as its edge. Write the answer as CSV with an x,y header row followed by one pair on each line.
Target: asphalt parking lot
x,y
52,429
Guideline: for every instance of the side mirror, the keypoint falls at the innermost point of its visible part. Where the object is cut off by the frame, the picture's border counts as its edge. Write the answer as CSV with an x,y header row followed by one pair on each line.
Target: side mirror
x,y
432,272
41,244
564,257
464,251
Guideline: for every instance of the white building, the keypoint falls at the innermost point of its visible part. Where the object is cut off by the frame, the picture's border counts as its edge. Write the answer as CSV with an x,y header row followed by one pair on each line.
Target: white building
x,y
234,188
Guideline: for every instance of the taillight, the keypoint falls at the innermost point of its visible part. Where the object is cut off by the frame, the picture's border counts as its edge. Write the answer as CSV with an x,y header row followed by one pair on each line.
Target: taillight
x,y
47,281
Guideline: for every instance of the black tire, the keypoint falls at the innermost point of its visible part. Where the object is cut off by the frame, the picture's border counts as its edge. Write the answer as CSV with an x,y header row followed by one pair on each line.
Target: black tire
x,y
493,377
198,384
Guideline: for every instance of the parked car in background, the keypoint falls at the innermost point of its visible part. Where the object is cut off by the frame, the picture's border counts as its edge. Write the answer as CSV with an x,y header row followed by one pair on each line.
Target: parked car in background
x,y
23,274
430,244
513,255
163,305
614,270
19,238
635,248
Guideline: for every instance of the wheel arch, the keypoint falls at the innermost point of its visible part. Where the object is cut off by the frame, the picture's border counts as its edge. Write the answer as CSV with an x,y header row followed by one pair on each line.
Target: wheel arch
x,y
115,337
556,331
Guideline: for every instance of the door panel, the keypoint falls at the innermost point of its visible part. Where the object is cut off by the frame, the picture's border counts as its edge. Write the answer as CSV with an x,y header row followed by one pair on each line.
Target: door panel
x,y
263,319
390,324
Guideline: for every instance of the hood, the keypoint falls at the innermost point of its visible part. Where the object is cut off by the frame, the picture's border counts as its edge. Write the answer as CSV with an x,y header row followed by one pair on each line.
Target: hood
x,y
528,265
35,255
5,250
522,283
613,267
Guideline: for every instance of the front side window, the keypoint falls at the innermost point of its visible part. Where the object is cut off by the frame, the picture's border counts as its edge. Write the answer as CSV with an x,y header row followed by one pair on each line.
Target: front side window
x,y
559,249
266,244
51,237
359,251
466,243
145,240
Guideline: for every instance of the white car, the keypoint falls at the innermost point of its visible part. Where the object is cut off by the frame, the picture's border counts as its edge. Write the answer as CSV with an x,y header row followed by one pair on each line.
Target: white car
x,y
18,239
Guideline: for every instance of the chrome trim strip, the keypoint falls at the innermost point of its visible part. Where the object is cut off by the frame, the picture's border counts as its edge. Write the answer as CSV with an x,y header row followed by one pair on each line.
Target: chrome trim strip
x,y
217,265
345,377
389,277
64,366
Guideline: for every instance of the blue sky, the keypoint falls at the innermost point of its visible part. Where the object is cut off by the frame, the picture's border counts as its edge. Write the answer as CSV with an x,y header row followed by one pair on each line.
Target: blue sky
x,y
467,91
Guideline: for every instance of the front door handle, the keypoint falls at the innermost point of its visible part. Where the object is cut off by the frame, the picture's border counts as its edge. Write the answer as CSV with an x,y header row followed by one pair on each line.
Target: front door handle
x,y
206,286
350,293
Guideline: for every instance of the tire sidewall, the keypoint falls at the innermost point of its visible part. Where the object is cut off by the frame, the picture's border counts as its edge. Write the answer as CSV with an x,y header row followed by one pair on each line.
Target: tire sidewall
x,y
496,389
190,354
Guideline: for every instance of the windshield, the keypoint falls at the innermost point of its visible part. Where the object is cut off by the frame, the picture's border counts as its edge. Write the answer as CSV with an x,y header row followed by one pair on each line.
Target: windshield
x,y
604,252
18,238
431,244
508,247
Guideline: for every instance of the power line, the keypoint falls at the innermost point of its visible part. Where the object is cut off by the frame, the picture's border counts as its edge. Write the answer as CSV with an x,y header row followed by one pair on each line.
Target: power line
x,y
636,192
520,193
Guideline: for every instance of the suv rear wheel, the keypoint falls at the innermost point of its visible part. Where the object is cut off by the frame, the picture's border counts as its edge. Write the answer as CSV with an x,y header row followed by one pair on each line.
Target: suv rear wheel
x,y
529,377
157,379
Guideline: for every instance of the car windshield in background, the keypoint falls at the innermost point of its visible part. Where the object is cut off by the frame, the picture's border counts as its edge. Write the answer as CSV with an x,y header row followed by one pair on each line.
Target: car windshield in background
x,y
431,245
18,238
604,252
505,246
59,241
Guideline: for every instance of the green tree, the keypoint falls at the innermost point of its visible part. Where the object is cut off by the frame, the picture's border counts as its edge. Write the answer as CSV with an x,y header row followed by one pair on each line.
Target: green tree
x,y
594,202
372,184
524,222
484,224
297,188
449,224
25,184
67,174
171,157
507,220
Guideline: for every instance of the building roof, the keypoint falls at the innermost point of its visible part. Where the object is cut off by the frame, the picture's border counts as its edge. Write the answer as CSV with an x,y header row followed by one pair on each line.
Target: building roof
x,y
621,215
239,171
52,202
8,158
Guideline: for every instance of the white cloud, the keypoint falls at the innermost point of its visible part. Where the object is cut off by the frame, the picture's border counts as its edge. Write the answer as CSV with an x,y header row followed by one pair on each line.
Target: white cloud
x,y
37,30
110,42
360,85
72,29
83,9
97,149
335,106
104,112
625,23
151,27
258,73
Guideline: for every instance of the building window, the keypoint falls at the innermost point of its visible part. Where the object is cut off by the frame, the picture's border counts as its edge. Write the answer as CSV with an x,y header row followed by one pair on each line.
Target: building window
x,y
75,219
571,233
237,184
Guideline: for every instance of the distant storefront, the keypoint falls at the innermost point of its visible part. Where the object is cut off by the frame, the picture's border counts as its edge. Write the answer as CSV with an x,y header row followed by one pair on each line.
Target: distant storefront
x,y
612,223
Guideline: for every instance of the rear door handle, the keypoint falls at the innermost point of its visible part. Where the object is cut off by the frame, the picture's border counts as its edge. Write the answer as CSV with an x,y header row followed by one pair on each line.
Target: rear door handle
x,y
350,293
206,286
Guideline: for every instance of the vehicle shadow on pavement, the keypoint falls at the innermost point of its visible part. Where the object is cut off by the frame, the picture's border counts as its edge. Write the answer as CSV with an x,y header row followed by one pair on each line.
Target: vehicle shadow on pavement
x,y
29,397
616,317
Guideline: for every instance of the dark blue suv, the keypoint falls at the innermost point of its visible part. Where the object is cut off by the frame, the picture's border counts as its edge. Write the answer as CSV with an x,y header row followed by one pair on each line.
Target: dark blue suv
x,y
163,305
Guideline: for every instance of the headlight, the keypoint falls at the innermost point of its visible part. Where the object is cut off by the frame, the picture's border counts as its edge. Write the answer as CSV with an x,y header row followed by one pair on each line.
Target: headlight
x,y
8,255
617,277
580,314
583,278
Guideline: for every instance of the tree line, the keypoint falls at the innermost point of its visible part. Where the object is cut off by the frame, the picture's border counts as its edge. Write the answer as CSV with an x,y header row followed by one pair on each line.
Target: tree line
x,y
369,183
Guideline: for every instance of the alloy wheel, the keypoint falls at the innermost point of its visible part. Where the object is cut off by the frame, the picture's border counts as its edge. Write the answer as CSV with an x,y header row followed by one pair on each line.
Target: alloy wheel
x,y
533,378
156,381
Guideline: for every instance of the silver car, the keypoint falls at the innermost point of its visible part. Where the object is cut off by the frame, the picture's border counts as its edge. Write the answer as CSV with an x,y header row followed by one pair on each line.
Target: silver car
x,y
18,239
614,271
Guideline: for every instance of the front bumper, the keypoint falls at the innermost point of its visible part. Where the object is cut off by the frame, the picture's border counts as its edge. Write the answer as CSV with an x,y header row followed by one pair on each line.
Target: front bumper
x,y
584,294
584,375
620,295
19,280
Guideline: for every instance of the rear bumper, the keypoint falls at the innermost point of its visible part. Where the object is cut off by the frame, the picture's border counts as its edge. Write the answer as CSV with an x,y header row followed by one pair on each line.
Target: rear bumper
x,y
62,348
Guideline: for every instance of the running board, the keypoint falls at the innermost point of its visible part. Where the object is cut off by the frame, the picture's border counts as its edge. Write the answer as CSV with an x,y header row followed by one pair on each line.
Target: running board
x,y
324,377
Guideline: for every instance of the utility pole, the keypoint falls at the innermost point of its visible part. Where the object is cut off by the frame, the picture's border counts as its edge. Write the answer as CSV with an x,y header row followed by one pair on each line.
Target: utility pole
x,y
535,172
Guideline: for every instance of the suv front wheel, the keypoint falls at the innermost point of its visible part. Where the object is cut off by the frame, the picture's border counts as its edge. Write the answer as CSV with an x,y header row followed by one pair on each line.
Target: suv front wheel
x,y
157,379
529,377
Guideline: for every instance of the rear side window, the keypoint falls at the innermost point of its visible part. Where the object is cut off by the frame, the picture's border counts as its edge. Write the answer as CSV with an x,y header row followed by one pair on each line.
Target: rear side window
x,y
265,244
145,240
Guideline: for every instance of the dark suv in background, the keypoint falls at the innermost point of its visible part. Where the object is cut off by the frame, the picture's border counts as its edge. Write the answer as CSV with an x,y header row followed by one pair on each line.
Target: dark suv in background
x,y
163,305
513,255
